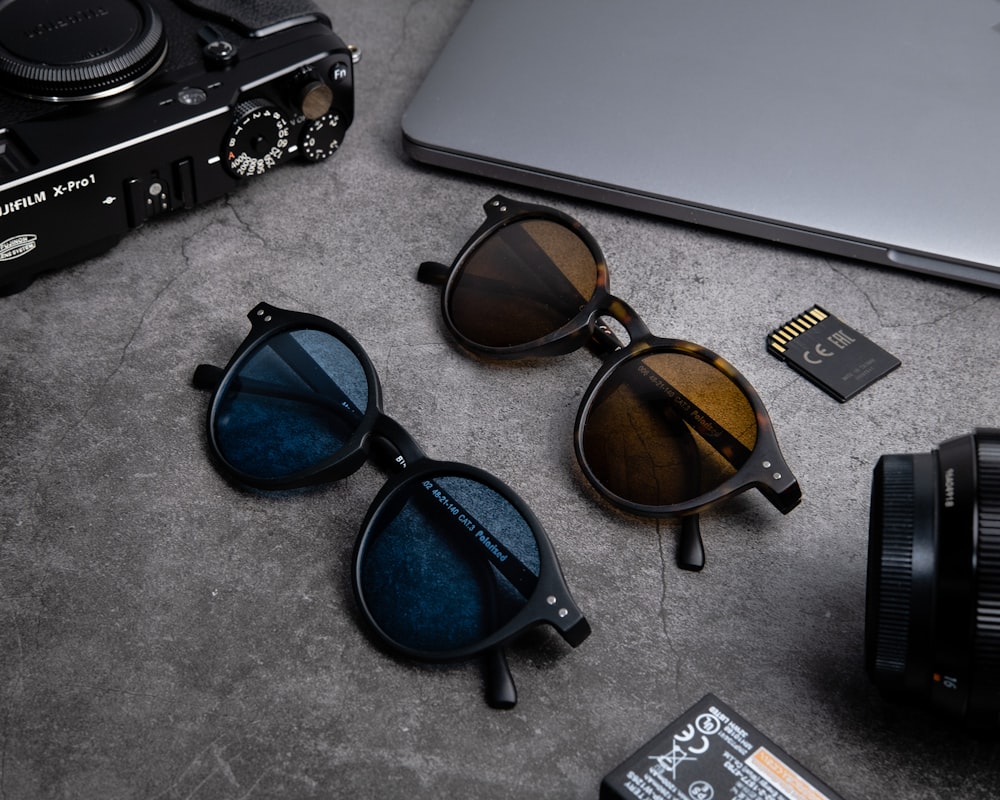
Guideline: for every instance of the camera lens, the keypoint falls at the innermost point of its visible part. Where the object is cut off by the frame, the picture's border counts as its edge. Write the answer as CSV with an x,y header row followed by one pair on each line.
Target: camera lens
x,y
932,629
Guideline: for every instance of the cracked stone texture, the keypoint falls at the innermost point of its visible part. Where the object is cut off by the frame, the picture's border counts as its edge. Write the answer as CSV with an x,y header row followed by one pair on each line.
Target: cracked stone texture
x,y
165,635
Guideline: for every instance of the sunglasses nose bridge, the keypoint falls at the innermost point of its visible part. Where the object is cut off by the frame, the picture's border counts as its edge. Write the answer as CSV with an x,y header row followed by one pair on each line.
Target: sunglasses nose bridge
x,y
397,441
621,312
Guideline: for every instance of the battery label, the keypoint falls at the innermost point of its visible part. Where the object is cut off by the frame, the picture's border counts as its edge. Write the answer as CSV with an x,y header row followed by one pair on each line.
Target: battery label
x,y
710,752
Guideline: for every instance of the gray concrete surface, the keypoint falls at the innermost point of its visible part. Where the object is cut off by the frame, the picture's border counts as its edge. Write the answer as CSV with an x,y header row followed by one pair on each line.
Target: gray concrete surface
x,y
165,635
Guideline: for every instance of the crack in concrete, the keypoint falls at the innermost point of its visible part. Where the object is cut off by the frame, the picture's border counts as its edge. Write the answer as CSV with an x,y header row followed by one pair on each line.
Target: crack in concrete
x,y
945,315
243,224
667,565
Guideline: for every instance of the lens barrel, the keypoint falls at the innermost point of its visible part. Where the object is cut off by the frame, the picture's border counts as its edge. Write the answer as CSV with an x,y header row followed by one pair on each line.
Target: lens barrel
x,y
933,602
62,50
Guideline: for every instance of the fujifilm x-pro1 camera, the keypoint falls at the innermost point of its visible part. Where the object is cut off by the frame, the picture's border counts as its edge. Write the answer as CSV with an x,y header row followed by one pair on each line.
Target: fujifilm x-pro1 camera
x,y
113,112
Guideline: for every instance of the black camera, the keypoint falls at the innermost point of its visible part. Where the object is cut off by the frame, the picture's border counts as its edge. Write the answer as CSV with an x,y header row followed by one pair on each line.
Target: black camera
x,y
932,632
116,111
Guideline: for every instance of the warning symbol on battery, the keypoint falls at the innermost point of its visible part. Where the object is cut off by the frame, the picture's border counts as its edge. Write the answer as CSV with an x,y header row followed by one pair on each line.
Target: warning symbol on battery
x,y
678,754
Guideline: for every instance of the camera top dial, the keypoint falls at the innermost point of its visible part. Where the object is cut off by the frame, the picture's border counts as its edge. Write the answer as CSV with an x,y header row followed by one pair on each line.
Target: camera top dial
x,y
258,139
65,50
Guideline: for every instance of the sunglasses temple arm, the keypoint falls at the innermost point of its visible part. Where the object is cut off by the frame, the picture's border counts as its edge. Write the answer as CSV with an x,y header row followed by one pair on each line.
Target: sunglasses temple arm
x,y
500,689
433,272
487,544
207,377
436,274
679,404
321,385
691,549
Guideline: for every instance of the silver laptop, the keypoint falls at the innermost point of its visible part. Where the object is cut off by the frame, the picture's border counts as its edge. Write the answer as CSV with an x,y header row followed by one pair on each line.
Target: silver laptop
x,y
865,128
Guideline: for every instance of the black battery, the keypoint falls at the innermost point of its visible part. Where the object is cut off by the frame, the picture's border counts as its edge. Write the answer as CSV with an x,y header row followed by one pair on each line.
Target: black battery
x,y
708,753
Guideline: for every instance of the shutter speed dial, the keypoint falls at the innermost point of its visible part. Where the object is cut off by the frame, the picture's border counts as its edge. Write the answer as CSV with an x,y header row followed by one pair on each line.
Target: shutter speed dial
x,y
257,140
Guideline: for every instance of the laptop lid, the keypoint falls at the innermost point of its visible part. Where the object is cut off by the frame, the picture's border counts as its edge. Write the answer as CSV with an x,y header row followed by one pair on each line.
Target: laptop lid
x,y
865,128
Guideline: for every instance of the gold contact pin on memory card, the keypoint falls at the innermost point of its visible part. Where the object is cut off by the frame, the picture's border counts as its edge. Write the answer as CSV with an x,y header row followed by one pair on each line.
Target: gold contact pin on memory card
x,y
781,337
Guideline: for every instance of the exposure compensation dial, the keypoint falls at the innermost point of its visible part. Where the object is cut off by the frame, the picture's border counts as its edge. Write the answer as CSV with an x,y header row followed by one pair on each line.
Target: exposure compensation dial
x,y
258,139
321,137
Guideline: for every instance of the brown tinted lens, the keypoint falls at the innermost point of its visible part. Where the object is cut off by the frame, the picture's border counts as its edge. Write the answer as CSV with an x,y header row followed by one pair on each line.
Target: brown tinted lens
x,y
666,428
525,281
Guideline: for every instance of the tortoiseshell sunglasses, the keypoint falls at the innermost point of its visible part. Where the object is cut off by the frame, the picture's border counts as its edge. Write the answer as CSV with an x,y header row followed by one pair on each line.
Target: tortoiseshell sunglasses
x,y
667,427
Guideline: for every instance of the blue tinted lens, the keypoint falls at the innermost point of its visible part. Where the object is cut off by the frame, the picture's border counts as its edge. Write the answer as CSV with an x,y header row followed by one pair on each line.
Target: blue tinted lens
x,y
293,403
445,563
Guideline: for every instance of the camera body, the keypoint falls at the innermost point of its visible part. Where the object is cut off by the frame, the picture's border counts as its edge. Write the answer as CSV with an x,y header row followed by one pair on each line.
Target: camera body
x,y
114,113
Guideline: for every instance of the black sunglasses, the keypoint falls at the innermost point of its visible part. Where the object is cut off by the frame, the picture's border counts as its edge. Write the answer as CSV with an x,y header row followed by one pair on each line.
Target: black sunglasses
x,y
450,563
667,427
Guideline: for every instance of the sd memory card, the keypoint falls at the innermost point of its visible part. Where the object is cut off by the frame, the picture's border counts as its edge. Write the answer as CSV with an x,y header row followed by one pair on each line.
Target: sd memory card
x,y
830,353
